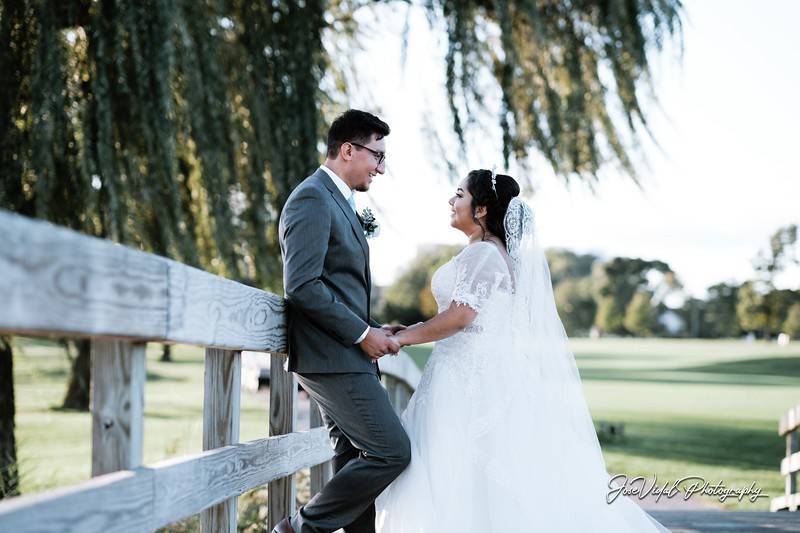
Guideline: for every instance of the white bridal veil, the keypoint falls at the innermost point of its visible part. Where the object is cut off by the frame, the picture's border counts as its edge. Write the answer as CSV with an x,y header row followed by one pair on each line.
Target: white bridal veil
x,y
541,445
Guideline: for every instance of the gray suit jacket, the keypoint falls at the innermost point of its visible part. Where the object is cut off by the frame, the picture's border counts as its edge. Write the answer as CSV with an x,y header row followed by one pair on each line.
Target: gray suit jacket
x,y
326,278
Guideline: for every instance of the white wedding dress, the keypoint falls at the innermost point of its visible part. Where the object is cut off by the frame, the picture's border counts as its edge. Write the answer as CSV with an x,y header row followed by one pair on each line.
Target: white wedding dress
x,y
496,445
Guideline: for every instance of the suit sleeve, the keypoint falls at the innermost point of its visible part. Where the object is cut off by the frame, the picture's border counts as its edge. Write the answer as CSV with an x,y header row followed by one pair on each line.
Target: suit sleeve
x,y
305,231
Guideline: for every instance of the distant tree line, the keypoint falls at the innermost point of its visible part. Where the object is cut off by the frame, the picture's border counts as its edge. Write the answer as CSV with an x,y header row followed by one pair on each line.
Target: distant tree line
x,y
628,296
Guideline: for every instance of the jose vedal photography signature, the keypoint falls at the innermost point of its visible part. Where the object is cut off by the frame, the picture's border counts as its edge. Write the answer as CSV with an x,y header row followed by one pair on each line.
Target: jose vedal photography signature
x,y
688,486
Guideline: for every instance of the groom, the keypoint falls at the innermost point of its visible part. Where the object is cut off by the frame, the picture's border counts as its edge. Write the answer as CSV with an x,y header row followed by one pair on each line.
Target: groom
x,y
334,345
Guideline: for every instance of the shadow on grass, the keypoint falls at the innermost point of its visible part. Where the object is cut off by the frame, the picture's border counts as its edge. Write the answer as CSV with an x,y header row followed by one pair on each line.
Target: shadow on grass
x,y
152,376
60,374
174,412
187,414
178,361
45,342
773,366
718,445
600,356
62,409
710,375
52,373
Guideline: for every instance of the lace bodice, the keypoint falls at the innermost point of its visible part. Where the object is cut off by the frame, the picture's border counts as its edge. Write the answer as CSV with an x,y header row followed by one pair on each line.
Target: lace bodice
x,y
476,276
479,277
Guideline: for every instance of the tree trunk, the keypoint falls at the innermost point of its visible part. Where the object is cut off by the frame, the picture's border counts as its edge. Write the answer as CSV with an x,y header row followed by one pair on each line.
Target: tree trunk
x,y
9,475
166,355
77,396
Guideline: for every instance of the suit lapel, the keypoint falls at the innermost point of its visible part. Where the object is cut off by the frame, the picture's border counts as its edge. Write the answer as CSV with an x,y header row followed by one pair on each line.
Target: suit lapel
x,y
355,224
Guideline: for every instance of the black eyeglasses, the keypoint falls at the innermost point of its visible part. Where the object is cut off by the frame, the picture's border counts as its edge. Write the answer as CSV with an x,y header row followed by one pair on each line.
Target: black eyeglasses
x,y
380,155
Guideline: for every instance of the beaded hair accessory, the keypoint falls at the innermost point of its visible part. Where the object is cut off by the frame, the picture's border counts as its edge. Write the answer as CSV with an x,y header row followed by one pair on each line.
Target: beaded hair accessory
x,y
494,182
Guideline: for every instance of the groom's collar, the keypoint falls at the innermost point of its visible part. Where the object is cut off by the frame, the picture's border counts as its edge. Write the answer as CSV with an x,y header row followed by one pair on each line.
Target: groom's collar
x,y
339,182
341,199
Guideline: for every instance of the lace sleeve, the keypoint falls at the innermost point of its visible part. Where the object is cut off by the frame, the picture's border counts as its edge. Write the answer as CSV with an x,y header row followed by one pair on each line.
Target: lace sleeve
x,y
480,272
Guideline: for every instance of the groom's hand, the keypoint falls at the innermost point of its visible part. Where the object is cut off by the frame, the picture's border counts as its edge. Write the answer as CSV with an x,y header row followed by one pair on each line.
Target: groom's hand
x,y
377,344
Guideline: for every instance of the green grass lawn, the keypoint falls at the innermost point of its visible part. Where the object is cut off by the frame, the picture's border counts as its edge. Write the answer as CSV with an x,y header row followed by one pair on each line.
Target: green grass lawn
x,y
707,408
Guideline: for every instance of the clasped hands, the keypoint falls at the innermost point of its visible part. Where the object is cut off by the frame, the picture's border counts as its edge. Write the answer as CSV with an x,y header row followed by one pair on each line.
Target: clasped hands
x,y
381,341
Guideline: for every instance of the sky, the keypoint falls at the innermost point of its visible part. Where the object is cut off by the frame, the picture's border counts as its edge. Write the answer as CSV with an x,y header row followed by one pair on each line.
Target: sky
x,y
722,178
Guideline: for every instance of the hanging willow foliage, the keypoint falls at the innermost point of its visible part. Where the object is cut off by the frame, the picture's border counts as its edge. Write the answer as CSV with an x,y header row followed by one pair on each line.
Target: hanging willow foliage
x,y
181,126
568,71
177,126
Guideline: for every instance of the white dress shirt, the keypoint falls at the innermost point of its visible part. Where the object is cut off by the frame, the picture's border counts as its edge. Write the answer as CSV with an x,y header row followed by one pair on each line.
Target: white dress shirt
x,y
348,194
346,191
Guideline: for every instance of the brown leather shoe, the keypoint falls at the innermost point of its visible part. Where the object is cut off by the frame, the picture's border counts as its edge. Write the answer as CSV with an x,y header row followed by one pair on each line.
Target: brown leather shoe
x,y
284,526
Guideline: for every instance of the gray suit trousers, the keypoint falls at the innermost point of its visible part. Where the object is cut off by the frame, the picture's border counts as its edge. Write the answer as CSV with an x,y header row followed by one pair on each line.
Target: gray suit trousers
x,y
371,449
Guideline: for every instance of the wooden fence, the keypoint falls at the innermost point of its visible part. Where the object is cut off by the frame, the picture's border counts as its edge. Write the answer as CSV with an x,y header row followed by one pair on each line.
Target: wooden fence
x,y
54,281
790,465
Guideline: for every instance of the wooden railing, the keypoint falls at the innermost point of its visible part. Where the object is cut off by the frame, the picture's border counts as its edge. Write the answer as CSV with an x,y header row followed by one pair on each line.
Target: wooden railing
x,y
55,281
790,465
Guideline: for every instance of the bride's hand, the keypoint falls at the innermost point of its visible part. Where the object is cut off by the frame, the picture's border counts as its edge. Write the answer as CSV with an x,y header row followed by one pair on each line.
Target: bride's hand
x,y
402,335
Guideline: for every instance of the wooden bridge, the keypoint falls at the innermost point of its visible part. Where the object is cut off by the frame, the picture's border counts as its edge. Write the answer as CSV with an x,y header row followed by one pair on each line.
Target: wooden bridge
x,y
54,281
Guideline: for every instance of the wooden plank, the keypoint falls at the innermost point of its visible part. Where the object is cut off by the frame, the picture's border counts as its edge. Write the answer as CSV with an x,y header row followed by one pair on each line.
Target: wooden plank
x,y
400,377
60,282
119,502
214,312
401,367
117,405
789,421
401,397
221,425
790,465
275,457
321,473
282,420
789,502
777,504
147,498
57,280
391,384
398,391
185,486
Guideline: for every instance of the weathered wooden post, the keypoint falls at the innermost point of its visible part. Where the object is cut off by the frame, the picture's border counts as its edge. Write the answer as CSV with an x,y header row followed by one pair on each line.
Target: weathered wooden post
x,y
282,420
321,473
400,397
400,377
791,469
221,425
117,405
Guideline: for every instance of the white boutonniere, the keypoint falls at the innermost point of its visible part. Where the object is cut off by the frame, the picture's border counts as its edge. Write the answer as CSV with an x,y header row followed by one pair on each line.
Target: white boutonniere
x,y
371,227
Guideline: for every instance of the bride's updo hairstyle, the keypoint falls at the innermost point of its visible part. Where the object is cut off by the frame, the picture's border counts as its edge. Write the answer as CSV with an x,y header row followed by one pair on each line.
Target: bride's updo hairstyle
x,y
479,185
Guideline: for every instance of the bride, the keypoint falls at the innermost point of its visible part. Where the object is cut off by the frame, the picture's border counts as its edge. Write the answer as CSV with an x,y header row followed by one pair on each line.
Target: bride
x,y
501,437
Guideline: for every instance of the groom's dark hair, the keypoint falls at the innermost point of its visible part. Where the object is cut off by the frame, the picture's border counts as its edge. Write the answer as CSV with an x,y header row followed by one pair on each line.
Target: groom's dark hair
x,y
354,126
